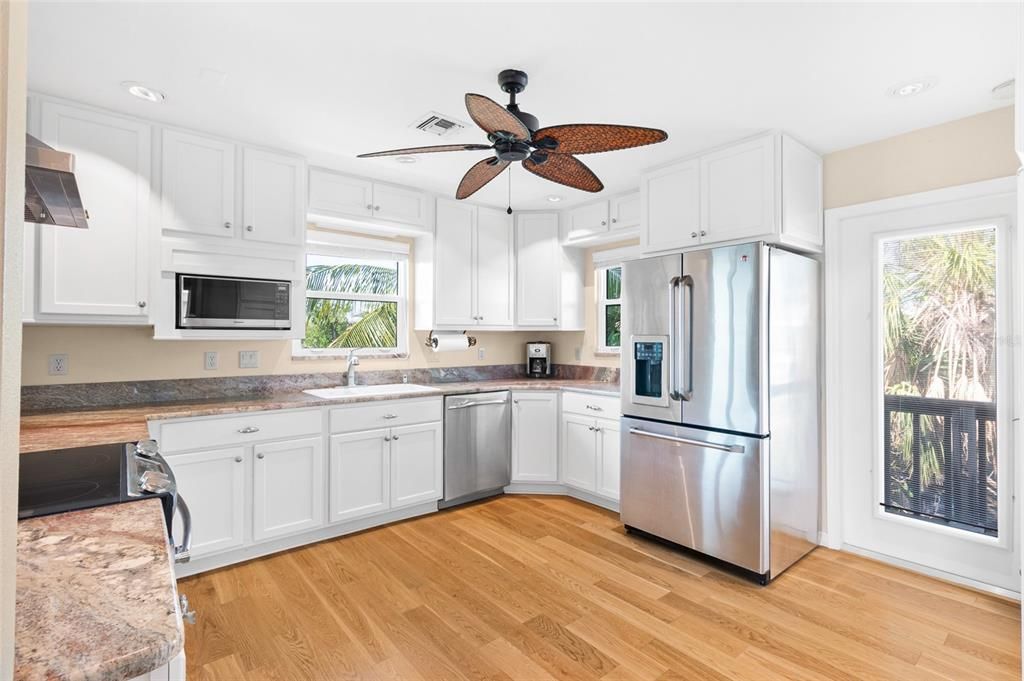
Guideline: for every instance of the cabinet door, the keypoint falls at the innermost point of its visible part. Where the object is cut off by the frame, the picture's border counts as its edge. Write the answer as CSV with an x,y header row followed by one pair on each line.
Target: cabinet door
x,y
417,464
801,194
339,195
608,447
495,273
197,184
213,485
579,452
396,204
625,212
454,246
288,487
534,437
538,270
273,198
101,270
588,220
358,475
738,191
670,207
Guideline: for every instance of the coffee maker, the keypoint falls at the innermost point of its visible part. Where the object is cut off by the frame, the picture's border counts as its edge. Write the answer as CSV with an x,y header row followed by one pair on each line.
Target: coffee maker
x,y
538,360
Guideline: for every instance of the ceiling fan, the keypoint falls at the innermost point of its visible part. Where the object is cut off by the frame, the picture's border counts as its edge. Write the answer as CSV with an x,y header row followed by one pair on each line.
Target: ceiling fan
x,y
546,152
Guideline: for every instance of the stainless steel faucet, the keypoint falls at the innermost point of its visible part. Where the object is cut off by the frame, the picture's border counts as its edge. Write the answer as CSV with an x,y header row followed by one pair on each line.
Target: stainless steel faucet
x,y
353,362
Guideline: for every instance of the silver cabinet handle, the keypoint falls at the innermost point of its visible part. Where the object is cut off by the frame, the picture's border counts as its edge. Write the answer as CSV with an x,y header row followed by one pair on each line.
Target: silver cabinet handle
x,y
590,428
466,405
387,438
227,225
369,206
614,220
376,208
603,223
693,235
142,304
515,401
394,437
732,449
238,459
599,429
187,613
248,429
594,407
248,228
390,416
703,233
183,552
554,319
260,455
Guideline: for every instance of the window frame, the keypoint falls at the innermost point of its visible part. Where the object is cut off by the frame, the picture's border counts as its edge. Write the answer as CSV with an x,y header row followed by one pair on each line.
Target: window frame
x,y
601,289
362,250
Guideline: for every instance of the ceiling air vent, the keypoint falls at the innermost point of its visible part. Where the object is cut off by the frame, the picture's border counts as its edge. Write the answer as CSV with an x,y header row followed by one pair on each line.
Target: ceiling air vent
x,y
438,124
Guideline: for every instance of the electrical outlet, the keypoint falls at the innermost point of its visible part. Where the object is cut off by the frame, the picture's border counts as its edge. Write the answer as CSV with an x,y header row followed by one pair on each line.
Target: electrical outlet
x,y
210,361
405,378
248,359
58,365
481,353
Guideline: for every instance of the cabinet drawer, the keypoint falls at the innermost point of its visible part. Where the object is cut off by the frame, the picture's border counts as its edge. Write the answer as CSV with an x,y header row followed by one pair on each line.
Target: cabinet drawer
x,y
385,414
603,406
254,427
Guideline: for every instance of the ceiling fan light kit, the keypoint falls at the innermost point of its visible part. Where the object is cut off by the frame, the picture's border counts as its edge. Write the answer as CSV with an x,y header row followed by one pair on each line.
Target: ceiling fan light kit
x,y
516,136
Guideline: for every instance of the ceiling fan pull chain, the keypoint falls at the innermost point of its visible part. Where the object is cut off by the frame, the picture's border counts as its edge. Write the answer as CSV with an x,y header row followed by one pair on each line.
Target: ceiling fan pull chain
x,y
509,211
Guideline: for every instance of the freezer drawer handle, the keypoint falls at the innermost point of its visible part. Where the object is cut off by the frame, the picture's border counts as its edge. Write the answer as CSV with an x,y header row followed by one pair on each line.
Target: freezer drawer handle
x,y
465,405
732,449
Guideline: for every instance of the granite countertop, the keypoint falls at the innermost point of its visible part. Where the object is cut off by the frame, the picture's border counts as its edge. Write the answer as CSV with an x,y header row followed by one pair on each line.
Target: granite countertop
x,y
96,596
78,428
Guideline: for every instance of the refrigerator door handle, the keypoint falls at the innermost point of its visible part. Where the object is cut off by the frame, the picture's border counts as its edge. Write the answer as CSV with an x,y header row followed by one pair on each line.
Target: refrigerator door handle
x,y
685,334
673,338
732,449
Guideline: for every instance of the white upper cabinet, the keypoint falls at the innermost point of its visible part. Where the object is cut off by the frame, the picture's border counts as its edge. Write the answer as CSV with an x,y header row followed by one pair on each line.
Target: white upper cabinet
x,y
273,208
455,269
587,220
198,185
495,269
103,271
765,188
538,270
473,266
335,196
670,207
624,212
738,191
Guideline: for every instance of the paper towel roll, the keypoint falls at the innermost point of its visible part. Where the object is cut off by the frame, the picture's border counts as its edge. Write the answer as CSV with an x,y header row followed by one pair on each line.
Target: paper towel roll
x,y
450,342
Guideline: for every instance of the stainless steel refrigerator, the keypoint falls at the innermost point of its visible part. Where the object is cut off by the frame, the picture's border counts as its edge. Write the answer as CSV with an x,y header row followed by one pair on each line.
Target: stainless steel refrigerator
x,y
720,402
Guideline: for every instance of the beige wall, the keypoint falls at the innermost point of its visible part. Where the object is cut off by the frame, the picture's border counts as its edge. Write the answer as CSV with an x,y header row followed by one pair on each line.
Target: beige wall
x,y
959,152
12,193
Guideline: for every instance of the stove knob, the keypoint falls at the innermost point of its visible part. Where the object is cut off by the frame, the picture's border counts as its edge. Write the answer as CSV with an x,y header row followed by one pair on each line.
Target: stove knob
x,y
147,448
155,482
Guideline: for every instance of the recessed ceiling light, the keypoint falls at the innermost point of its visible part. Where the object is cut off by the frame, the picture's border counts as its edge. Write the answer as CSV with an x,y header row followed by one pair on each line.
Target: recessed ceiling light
x,y
143,92
554,198
910,88
1004,90
405,159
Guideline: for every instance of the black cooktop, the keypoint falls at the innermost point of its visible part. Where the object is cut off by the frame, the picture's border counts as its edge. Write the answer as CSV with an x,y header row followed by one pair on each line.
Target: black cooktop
x,y
59,480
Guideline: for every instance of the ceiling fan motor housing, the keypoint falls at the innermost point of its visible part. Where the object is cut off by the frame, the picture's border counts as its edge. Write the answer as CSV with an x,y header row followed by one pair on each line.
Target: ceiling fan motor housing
x,y
511,150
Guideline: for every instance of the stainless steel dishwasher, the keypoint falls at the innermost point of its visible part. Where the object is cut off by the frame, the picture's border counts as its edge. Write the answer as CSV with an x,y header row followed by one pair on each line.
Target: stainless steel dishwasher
x,y
477,446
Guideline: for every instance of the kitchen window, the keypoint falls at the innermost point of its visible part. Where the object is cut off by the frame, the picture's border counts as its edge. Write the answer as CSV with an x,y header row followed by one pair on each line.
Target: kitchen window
x,y
608,281
356,297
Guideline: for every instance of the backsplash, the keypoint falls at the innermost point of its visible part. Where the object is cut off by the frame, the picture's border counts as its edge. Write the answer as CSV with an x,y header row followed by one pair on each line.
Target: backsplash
x,y
128,393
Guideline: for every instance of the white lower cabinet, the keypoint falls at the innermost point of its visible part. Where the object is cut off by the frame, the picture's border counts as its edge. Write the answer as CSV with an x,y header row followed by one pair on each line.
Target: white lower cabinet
x,y
417,464
174,670
534,436
590,454
288,489
213,485
359,474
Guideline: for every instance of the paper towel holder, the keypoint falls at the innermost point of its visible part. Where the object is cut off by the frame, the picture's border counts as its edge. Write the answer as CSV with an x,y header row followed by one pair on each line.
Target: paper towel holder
x,y
430,339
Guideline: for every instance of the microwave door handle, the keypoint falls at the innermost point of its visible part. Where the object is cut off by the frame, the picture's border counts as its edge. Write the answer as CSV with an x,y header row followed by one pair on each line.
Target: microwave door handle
x,y
184,304
673,338
686,339
183,552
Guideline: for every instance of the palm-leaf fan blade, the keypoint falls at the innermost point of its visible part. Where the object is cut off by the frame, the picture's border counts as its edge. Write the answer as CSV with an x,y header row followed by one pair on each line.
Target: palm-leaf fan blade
x,y
427,150
494,118
591,138
480,174
564,169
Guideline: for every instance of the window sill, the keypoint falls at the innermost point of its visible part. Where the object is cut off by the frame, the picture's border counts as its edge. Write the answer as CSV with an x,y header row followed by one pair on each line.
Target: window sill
x,y
607,352
342,356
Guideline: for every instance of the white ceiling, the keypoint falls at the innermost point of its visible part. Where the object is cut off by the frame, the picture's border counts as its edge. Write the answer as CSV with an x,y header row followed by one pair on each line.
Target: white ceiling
x,y
331,80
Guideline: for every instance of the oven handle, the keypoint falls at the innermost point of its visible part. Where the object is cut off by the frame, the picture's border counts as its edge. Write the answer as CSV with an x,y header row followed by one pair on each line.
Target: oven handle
x,y
183,552
732,449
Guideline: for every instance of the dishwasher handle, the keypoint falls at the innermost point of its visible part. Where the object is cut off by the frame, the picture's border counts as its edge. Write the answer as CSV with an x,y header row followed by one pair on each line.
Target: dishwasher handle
x,y
467,405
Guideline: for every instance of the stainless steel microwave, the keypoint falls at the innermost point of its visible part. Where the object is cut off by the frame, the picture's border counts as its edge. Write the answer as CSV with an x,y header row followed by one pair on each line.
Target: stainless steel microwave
x,y
205,302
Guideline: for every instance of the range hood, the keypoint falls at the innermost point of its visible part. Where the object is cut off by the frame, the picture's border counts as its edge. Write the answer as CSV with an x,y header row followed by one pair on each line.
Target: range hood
x,y
51,192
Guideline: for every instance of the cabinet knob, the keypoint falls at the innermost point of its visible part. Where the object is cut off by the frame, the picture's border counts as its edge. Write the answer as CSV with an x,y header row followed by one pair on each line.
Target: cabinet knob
x,y
369,206
376,207
703,233
693,235
614,220
238,459
394,437
515,401
227,225
591,428
554,319
597,429
248,228
387,438
260,455
142,303
603,223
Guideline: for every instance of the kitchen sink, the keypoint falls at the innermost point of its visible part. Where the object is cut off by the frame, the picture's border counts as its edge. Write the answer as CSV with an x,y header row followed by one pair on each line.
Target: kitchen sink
x,y
342,391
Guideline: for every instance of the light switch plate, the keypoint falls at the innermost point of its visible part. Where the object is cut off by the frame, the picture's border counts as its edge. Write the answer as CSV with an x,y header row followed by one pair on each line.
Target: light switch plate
x,y
58,365
481,353
210,361
248,359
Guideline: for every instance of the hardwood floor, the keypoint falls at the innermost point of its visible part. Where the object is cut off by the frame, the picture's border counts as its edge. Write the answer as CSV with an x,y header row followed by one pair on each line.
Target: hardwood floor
x,y
552,588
